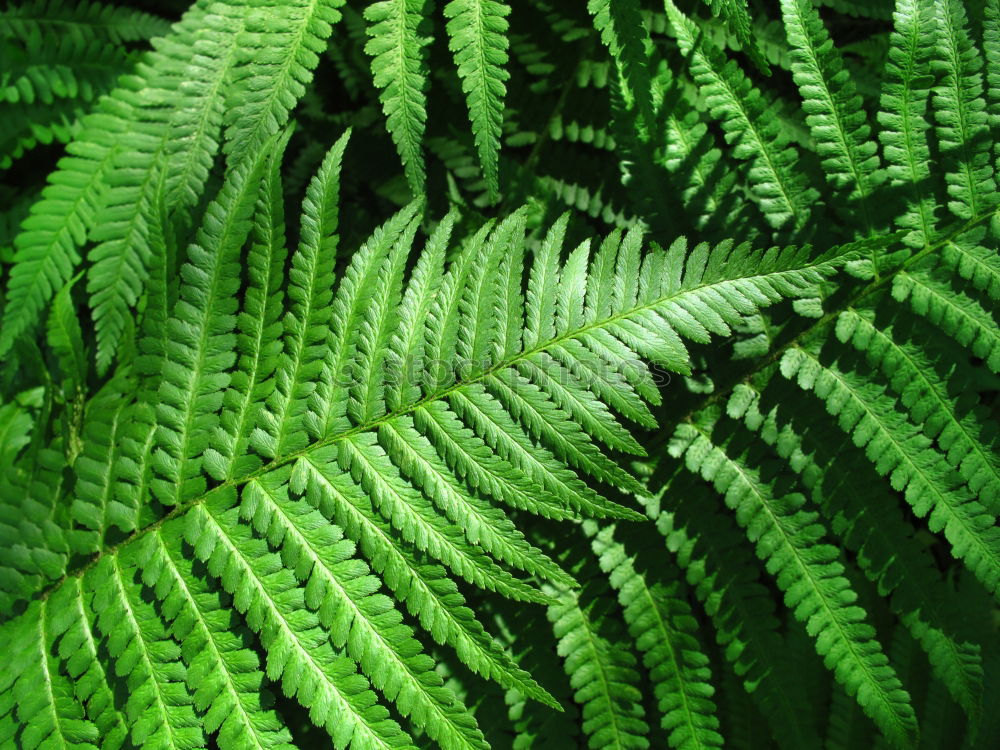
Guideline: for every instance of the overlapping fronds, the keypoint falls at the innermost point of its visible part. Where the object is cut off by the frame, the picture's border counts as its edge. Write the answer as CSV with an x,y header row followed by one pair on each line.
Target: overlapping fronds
x,y
312,463
430,463
131,129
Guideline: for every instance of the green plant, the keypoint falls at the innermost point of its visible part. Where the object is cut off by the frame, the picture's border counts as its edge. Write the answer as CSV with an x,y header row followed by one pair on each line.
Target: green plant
x,y
488,472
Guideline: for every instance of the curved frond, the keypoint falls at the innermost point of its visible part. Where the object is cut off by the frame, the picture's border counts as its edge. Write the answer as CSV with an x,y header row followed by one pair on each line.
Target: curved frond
x,y
602,672
749,124
900,451
963,130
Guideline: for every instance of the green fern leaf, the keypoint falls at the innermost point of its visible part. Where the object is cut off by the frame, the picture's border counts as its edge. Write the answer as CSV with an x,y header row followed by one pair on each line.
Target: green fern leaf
x,y
199,350
904,104
310,295
963,127
299,651
427,592
721,571
737,18
833,109
160,708
399,68
896,448
65,336
44,696
602,673
933,403
477,38
223,675
960,316
78,646
275,56
74,202
339,586
787,537
81,20
661,623
887,551
623,32
748,122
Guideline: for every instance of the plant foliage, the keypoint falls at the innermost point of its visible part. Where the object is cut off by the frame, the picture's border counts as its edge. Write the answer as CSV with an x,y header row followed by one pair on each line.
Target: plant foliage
x,y
473,374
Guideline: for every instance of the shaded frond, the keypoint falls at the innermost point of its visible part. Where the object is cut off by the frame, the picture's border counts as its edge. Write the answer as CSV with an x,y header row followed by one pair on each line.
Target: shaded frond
x,y
900,451
660,622
834,110
788,537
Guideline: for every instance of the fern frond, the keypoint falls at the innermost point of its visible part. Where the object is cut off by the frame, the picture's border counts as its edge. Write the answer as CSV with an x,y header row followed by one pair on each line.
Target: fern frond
x,y
199,351
902,115
624,33
222,674
602,672
722,574
959,315
259,328
368,301
244,410
33,519
47,244
414,518
808,571
482,523
991,51
81,20
160,707
399,68
660,622
887,551
340,587
736,14
944,409
526,488
96,506
968,256
834,110
898,449
299,650
477,37
691,154
58,69
963,126
275,56
65,336
427,592
79,647
44,696
748,122
74,203
310,294
119,269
